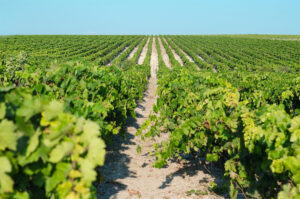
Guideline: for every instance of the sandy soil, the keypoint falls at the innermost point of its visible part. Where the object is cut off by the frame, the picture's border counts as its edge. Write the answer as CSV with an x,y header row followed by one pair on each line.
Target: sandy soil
x,y
177,57
110,63
164,54
214,68
187,56
201,58
132,53
144,53
129,175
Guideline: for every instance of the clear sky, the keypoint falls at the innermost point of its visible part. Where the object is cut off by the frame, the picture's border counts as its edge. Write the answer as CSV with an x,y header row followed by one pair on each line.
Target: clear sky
x,y
149,17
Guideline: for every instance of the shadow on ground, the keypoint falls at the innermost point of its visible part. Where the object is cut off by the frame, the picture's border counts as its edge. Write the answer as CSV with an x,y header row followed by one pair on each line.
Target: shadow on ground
x,y
116,162
191,167
115,166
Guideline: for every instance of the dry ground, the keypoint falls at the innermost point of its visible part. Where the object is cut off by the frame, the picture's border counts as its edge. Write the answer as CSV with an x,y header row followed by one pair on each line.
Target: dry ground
x,y
127,174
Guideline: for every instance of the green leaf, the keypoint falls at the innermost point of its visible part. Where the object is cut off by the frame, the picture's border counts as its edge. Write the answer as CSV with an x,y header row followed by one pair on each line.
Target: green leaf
x,y
88,170
96,152
90,131
233,191
295,129
53,110
5,165
2,110
99,108
60,151
8,137
6,89
33,142
79,125
21,195
212,157
6,183
59,175
29,107
41,152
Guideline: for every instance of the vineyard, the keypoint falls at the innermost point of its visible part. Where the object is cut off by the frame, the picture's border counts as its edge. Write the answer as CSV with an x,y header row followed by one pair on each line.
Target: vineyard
x,y
72,106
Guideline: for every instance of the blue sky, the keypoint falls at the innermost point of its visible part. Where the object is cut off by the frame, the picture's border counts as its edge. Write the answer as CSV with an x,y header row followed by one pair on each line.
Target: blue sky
x,y
149,17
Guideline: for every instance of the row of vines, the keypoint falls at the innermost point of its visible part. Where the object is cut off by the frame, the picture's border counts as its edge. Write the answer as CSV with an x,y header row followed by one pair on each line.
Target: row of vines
x,y
56,118
241,116
235,101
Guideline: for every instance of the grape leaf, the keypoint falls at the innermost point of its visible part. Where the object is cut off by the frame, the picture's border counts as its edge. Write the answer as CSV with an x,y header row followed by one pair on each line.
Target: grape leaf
x,y
6,183
53,110
33,142
59,175
88,172
212,157
60,151
96,152
29,107
90,131
2,110
8,137
21,195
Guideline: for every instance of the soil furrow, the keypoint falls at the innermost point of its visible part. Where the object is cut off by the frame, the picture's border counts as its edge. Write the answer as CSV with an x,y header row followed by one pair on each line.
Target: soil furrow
x,y
177,57
110,63
132,53
164,54
129,175
143,53
186,55
201,58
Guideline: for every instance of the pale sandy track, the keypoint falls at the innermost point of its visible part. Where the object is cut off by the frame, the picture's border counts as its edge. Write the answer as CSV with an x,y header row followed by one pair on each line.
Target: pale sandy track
x,y
177,57
144,53
154,64
164,54
128,175
214,68
132,53
110,63
186,55
201,58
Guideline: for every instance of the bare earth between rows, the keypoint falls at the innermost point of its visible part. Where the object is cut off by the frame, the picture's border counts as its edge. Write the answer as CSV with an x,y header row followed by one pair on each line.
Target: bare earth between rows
x,y
143,53
127,174
176,56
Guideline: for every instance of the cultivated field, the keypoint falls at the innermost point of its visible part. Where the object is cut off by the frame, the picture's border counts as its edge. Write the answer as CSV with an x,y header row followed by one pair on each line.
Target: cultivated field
x,y
131,116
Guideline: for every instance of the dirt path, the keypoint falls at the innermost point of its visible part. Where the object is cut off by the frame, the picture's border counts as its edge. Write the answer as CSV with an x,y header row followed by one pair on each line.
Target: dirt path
x,y
144,53
110,63
214,68
129,175
177,57
201,58
164,54
132,53
186,55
